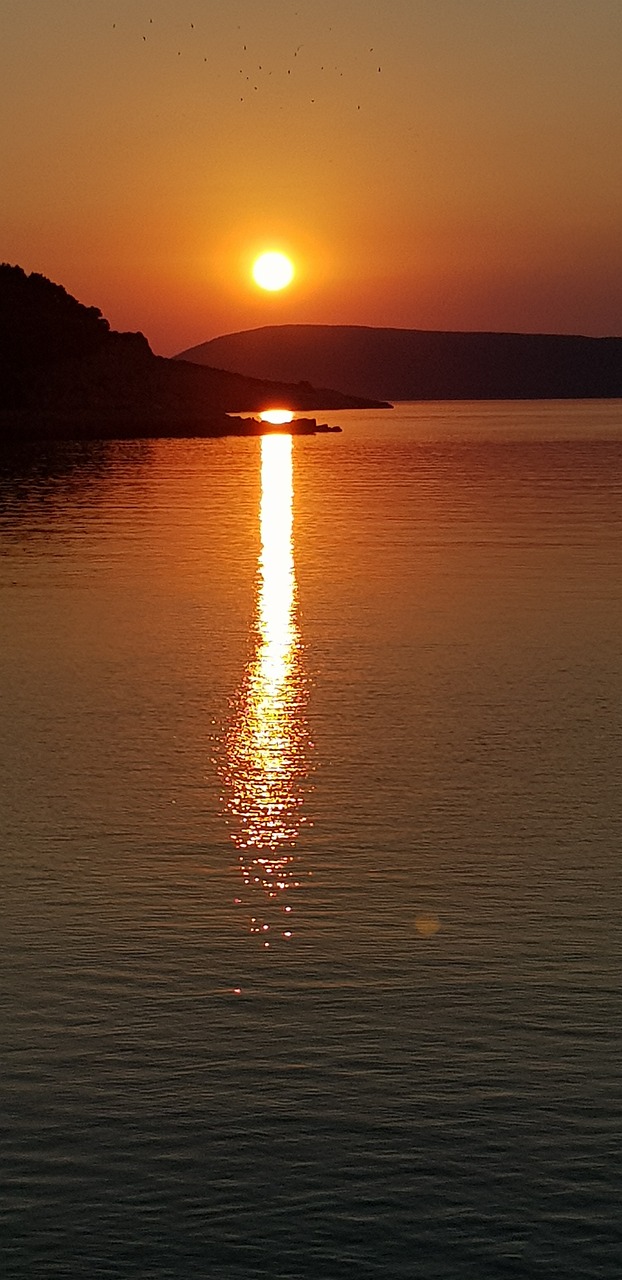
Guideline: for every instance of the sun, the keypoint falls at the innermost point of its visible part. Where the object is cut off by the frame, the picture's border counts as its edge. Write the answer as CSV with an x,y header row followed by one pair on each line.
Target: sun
x,y
273,271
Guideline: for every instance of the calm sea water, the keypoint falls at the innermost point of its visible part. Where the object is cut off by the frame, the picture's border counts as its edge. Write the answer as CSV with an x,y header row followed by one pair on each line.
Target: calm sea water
x,y
311,825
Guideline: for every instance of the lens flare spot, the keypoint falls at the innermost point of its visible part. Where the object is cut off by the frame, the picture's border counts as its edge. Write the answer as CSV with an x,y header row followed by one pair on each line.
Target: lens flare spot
x,y
427,924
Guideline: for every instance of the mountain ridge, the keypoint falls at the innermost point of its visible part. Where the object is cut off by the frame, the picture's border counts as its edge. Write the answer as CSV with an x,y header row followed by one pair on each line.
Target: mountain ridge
x,y
389,363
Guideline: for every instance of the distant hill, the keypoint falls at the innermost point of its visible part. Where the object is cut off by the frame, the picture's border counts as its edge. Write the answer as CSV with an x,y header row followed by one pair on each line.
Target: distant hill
x,y
413,364
64,371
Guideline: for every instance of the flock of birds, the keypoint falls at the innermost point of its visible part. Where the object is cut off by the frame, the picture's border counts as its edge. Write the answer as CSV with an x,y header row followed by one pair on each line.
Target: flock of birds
x,y
259,70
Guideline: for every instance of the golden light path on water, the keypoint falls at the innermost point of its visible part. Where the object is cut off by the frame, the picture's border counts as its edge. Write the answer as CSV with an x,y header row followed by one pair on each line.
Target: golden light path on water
x,y
266,747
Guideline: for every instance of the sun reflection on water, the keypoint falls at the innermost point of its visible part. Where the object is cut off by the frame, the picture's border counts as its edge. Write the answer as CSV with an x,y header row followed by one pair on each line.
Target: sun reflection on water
x,y
267,741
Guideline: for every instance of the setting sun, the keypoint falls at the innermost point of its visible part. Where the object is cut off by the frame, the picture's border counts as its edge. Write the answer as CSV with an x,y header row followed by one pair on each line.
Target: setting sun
x,y
273,271
278,417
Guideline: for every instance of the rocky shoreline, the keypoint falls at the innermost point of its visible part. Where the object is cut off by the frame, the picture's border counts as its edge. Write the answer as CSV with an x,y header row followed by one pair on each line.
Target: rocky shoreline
x,y
16,426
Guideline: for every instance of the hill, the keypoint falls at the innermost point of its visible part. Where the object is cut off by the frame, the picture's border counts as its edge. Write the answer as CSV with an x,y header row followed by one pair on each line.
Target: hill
x,y
413,364
63,371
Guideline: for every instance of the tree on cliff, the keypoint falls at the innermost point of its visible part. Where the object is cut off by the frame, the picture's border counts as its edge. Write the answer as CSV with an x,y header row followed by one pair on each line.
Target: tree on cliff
x,y
40,324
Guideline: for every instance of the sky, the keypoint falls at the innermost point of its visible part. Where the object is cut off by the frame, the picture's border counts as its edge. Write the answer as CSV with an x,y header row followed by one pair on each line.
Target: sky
x,y
428,164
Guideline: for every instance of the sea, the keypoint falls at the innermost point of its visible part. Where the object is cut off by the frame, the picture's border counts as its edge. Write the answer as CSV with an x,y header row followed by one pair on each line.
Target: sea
x,y
311,826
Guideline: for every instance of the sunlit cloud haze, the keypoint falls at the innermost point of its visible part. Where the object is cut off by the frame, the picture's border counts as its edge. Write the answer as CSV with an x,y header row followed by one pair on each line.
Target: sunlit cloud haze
x,y
424,163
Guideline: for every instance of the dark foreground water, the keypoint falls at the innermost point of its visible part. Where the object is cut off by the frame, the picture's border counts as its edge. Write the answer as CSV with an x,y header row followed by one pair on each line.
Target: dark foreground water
x,y
311,826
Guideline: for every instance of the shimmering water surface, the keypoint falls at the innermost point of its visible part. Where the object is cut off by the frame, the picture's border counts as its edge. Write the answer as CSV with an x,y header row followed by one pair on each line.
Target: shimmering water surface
x,y
311,819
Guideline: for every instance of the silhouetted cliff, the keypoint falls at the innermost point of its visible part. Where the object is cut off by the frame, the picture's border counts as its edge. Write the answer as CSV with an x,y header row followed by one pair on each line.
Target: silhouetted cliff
x,y
64,372
412,364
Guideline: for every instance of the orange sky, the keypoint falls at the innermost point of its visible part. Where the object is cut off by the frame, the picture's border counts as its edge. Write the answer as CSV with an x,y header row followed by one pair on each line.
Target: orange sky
x,y
474,181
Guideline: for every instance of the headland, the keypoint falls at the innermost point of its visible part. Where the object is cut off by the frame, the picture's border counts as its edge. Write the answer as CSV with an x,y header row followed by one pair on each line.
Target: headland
x,y
64,374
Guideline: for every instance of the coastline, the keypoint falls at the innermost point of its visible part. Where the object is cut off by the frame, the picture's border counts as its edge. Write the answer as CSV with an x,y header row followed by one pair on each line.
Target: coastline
x,y
17,426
